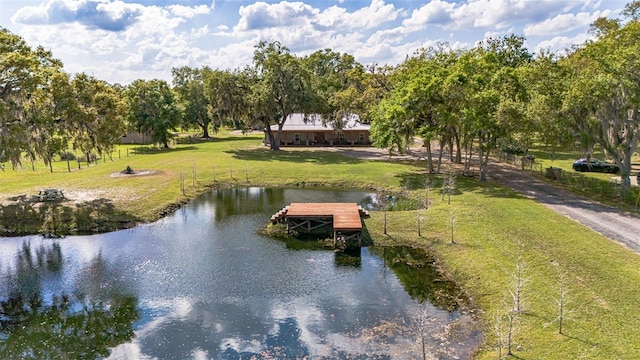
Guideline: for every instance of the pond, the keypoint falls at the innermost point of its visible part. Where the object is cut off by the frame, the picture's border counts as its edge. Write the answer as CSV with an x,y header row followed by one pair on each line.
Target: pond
x,y
205,284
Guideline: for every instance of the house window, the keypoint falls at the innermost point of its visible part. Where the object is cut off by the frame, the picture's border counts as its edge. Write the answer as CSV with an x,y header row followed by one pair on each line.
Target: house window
x,y
361,138
341,136
296,138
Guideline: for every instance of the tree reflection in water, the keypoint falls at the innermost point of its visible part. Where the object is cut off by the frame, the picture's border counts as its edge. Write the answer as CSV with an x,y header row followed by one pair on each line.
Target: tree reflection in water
x,y
82,324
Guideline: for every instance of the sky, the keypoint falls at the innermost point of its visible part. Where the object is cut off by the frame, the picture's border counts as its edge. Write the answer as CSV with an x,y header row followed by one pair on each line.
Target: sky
x,y
123,40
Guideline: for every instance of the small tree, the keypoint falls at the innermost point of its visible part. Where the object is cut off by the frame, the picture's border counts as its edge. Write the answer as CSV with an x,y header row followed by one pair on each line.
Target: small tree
x,y
448,186
512,326
498,329
452,222
429,184
562,301
519,283
514,307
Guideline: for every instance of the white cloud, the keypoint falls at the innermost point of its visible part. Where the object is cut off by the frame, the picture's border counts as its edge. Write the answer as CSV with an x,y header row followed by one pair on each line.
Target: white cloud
x,y
483,13
154,21
434,12
95,14
591,5
563,23
559,44
188,11
331,17
391,36
129,39
31,15
336,18
372,16
260,15
200,32
232,55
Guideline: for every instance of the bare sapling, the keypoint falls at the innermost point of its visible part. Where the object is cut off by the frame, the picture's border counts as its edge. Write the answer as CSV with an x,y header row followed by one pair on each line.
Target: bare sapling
x,y
562,301
499,332
452,222
519,283
429,184
406,187
515,307
448,186
505,328
512,325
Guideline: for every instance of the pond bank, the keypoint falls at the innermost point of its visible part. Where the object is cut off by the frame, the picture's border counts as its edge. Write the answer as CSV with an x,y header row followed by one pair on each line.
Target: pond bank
x,y
208,259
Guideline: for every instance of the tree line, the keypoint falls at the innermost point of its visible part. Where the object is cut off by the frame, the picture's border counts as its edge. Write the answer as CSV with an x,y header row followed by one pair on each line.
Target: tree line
x,y
499,95
44,110
495,95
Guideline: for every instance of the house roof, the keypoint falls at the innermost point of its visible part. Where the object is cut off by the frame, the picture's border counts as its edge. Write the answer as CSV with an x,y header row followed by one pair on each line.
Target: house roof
x,y
296,122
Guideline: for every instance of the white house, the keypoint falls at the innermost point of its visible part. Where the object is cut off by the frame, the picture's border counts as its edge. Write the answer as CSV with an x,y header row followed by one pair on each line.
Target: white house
x,y
299,130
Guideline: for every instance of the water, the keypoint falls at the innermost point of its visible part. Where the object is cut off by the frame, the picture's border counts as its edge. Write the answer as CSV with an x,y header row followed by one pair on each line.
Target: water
x,y
204,284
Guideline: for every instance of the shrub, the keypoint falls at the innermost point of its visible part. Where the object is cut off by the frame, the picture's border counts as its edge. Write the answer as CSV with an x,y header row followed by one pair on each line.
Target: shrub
x,y
67,155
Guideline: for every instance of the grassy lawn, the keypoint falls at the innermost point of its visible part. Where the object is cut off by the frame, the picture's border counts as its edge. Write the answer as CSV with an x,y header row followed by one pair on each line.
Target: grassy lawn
x,y
493,226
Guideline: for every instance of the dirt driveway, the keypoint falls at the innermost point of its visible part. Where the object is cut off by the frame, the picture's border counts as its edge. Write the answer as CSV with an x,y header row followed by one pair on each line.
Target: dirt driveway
x,y
616,225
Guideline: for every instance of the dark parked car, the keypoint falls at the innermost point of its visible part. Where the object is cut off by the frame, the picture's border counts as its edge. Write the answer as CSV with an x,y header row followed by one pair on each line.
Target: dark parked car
x,y
595,165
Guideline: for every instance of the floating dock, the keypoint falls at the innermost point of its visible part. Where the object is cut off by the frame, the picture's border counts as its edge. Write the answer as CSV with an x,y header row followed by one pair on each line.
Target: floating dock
x,y
343,218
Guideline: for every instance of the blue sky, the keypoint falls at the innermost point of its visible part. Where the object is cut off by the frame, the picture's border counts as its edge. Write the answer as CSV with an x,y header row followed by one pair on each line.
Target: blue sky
x,y
123,40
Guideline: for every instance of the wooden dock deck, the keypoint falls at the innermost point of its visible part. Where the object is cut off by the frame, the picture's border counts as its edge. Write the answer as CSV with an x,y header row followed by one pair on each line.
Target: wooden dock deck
x,y
344,218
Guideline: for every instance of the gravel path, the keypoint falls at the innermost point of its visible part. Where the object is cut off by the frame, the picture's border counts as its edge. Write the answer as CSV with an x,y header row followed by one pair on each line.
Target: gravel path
x,y
616,225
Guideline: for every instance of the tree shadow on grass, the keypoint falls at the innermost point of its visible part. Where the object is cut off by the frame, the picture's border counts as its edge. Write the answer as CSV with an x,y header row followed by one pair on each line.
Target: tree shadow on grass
x,y
198,139
142,150
304,156
416,180
59,218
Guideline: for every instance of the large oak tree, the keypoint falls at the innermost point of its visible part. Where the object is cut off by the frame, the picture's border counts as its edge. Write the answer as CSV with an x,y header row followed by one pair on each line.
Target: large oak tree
x,y
279,88
153,109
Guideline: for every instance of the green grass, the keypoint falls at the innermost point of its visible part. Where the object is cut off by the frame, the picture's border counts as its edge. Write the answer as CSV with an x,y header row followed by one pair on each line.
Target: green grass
x,y
189,169
492,226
